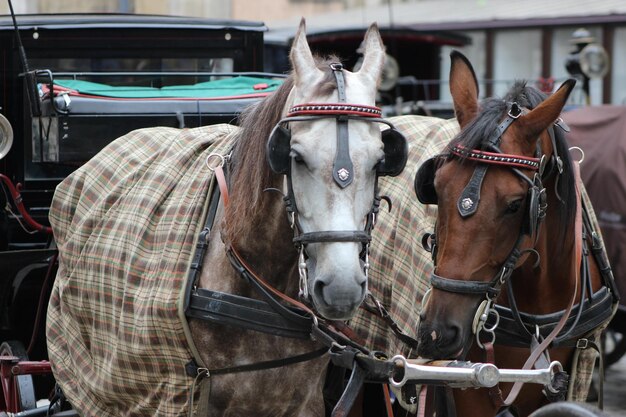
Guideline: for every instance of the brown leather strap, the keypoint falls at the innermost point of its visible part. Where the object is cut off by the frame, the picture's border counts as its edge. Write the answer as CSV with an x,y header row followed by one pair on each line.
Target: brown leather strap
x,y
543,346
221,181
267,286
387,396
347,331
495,393
421,407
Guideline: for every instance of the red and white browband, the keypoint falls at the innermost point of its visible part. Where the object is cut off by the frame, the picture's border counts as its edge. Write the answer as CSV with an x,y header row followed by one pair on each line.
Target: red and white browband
x,y
331,109
516,161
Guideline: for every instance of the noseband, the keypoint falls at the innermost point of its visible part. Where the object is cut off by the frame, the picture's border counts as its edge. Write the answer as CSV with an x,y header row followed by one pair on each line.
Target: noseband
x,y
396,152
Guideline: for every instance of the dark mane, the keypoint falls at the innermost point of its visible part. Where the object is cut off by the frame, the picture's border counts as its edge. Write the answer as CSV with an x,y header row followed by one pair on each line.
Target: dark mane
x,y
249,166
478,131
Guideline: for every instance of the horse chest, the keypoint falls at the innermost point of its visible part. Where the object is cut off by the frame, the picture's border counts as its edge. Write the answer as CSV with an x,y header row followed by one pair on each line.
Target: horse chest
x,y
288,390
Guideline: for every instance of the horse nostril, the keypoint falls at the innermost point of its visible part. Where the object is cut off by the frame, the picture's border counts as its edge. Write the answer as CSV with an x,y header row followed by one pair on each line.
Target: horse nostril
x,y
318,289
452,334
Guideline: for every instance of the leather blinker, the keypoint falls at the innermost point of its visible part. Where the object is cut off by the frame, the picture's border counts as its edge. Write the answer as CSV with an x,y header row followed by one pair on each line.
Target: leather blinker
x,y
424,183
396,151
278,149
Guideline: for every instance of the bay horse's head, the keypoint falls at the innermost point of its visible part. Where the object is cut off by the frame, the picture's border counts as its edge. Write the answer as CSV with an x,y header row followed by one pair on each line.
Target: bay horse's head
x,y
491,200
329,147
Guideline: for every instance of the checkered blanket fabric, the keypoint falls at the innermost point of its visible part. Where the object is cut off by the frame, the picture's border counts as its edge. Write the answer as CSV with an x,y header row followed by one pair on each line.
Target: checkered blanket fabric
x,y
126,224
400,267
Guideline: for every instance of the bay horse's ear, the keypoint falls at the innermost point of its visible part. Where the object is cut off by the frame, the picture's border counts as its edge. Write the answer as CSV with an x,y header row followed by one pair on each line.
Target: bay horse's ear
x,y
464,88
374,55
302,59
546,113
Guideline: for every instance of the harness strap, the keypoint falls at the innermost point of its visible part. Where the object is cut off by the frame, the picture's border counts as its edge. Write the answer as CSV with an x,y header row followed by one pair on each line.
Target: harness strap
x,y
198,373
334,236
463,287
223,187
334,109
512,114
248,313
517,329
545,344
383,313
344,405
276,363
343,171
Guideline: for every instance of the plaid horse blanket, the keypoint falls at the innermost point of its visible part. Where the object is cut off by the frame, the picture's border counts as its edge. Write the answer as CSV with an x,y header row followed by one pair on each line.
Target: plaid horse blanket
x,y
400,268
126,224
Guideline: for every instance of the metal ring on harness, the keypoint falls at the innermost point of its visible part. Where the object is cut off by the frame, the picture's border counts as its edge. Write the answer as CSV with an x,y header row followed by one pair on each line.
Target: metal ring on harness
x,y
582,153
220,158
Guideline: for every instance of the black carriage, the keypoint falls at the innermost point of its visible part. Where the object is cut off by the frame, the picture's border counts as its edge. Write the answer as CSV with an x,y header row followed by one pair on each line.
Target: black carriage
x,y
84,80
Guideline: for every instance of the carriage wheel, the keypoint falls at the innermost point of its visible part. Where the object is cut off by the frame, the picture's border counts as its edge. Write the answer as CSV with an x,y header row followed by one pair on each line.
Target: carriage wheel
x,y
25,382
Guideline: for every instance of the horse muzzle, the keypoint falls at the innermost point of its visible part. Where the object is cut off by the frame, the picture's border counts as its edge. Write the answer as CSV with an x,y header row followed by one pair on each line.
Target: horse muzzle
x,y
338,296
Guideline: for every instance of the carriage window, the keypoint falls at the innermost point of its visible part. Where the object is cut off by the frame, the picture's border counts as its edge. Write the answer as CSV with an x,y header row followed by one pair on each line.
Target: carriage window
x,y
475,51
512,65
618,95
104,65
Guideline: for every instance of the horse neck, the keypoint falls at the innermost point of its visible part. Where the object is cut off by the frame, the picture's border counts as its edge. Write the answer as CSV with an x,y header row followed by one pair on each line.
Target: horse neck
x,y
255,223
265,242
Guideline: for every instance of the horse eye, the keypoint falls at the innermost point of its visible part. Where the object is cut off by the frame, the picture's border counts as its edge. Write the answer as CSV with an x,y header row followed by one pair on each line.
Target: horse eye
x,y
297,157
514,206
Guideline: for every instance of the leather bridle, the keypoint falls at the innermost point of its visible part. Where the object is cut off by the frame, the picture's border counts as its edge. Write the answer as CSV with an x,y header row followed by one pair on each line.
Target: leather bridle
x,y
467,205
342,173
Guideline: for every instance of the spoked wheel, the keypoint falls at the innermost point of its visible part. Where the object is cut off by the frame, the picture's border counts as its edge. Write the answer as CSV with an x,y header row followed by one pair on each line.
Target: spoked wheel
x,y
25,384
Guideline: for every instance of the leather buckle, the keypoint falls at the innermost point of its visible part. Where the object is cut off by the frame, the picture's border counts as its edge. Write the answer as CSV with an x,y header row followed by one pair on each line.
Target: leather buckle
x,y
582,344
561,123
515,111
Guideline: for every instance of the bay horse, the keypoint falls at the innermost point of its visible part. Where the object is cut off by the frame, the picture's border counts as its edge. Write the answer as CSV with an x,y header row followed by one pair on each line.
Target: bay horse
x,y
509,216
128,334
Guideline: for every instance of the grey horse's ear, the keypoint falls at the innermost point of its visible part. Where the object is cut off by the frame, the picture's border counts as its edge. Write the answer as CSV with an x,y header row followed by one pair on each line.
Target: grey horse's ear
x,y
373,55
302,59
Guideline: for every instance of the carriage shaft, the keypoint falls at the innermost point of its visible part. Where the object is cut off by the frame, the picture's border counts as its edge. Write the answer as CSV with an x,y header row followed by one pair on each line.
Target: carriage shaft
x,y
463,374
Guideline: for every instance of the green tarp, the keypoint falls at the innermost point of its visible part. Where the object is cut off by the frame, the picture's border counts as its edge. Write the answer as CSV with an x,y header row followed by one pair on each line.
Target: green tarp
x,y
227,87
